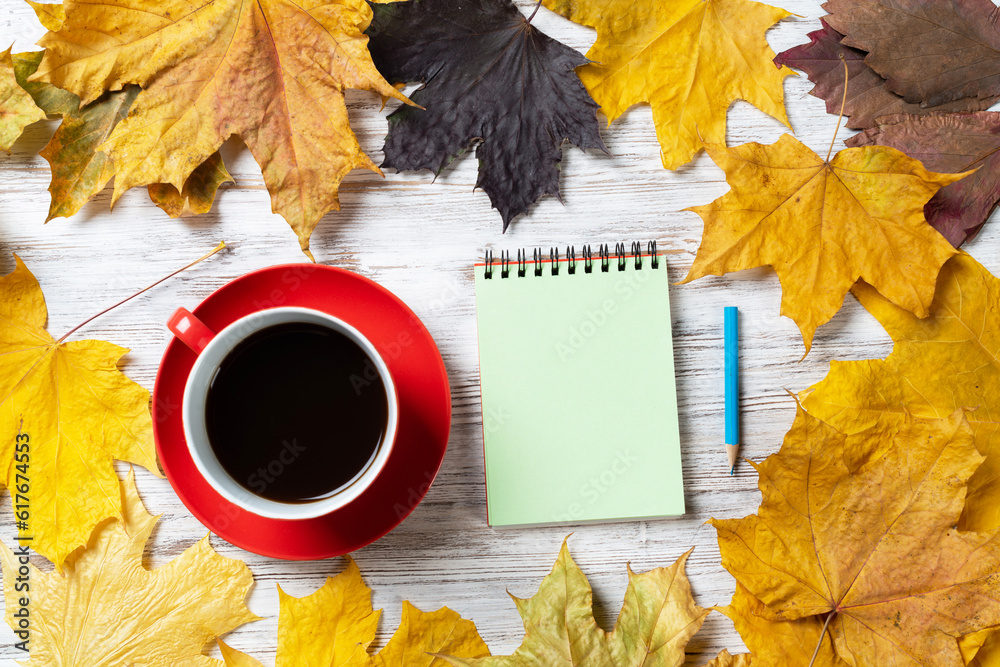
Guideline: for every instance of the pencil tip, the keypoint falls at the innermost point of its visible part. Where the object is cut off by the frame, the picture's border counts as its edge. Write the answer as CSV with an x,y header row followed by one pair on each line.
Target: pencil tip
x,y
732,470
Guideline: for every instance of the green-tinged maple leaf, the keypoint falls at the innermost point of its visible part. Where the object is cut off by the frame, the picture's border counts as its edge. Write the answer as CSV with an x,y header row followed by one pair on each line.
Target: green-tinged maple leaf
x,y
491,79
657,619
17,109
80,169
55,102
336,625
107,610
862,527
199,189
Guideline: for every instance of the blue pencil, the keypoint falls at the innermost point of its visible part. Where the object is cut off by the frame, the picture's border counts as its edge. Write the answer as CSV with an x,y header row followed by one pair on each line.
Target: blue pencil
x,y
732,318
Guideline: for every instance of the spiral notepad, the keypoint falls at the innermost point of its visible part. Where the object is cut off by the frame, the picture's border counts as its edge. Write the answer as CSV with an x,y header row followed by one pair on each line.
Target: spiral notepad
x,y
577,378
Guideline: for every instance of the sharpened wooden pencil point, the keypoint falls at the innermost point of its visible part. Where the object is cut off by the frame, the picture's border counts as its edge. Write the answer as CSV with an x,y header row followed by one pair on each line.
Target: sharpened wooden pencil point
x,y
732,450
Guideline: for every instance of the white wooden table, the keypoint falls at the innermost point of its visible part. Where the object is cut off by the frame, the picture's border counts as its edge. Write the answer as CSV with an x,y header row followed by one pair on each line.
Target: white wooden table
x,y
419,238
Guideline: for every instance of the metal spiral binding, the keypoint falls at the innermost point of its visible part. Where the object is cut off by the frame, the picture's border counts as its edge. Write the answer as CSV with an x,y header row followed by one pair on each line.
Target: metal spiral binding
x,y
488,271
603,252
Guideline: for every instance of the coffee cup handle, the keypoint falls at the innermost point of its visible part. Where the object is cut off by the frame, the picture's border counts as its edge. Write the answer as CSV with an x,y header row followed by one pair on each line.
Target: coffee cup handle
x,y
190,330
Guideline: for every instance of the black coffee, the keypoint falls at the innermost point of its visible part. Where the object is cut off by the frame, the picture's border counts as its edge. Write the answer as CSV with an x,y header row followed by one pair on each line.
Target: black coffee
x,y
295,412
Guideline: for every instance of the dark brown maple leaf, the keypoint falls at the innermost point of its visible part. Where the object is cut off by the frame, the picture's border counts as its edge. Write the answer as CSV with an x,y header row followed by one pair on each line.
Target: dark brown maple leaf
x,y
929,51
490,79
868,96
949,143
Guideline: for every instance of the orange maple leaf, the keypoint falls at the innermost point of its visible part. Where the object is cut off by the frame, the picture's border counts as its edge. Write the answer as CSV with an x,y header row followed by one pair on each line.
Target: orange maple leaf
x,y
271,71
859,529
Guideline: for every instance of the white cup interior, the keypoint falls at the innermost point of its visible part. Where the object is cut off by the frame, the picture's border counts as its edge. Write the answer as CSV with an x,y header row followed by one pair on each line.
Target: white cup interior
x,y
195,431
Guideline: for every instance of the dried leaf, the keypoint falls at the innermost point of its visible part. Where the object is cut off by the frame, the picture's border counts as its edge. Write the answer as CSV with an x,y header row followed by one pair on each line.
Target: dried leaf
x,y
981,649
336,625
271,71
822,225
929,51
953,142
79,168
51,16
939,364
868,96
17,109
863,525
107,609
657,619
55,102
79,412
725,659
491,79
689,59
199,189
775,643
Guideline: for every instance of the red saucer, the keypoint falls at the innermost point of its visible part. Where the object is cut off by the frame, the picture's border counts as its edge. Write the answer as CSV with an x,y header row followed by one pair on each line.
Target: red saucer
x,y
424,412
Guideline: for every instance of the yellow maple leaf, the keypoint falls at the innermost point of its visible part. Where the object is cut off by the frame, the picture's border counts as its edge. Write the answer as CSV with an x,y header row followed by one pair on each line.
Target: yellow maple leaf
x,y
689,59
859,530
775,643
944,362
823,225
335,626
657,619
17,109
77,411
271,71
107,610
726,659
50,15
981,649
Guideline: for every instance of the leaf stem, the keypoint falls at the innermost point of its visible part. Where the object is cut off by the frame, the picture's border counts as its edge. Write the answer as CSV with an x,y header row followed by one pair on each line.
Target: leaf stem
x,y
843,103
829,617
144,289
537,5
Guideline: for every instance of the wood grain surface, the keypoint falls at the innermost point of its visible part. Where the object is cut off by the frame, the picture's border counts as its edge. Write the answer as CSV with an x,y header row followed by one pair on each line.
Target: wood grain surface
x,y
419,236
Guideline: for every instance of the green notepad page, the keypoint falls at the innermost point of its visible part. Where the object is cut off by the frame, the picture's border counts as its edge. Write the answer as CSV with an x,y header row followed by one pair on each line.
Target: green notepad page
x,y
579,398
